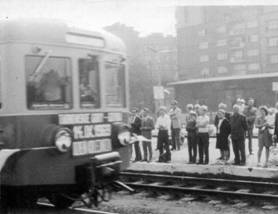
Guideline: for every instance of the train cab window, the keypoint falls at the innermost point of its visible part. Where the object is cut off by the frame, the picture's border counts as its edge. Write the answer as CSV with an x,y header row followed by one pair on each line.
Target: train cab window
x,y
89,83
49,84
115,85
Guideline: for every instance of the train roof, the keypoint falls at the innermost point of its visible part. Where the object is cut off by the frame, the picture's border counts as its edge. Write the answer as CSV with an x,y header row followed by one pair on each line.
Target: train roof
x,y
58,32
219,79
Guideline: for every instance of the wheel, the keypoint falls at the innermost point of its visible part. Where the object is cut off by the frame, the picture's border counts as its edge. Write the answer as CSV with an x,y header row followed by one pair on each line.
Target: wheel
x,y
60,201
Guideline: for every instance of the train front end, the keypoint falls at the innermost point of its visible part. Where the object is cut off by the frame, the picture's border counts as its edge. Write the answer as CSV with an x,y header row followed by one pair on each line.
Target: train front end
x,y
63,124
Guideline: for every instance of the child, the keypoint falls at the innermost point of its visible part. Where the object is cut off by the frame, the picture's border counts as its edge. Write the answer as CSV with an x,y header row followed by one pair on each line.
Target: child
x,y
192,136
183,133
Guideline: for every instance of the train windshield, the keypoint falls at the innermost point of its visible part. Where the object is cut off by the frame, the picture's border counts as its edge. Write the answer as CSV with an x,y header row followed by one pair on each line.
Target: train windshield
x,y
115,84
89,83
49,82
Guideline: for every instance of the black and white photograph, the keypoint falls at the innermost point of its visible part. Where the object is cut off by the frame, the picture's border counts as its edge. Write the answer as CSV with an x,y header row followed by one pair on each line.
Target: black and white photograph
x,y
138,107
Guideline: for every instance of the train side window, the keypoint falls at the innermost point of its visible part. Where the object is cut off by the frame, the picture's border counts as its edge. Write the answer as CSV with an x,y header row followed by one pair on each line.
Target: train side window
x,y
49,82
115,85
89,83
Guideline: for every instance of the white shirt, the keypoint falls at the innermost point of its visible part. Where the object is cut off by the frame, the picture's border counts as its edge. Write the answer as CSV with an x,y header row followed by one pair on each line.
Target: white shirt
x,y
219,125
202,123
164,122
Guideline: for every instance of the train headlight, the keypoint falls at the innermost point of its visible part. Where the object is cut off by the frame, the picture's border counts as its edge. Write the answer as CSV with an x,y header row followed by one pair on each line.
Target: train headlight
x,y
124,137
63,140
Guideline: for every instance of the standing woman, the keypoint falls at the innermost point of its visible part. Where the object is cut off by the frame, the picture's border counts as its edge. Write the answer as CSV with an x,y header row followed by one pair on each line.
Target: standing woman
x,y
264,136
163,124
135,122
223,132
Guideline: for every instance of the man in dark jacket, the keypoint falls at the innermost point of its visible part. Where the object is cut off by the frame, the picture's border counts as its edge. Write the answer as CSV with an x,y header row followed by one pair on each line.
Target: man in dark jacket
x,y
135,122
276,126
238,129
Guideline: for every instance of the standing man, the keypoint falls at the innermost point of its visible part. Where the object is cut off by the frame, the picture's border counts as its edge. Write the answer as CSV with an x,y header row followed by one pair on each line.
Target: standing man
x,y
275,136
250,114
238,129
135,122
175,115
146,129
203,135
163,124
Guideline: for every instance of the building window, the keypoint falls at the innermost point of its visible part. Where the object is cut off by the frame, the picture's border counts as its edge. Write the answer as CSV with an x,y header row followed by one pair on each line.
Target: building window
x,y
222,42
240,67
236,56
272,25
203,45
202,32
273,59
253,38
204,58
237,42
253,52
237,29
222,70
252,24
273,42
205,72
253,67
221,29
222,56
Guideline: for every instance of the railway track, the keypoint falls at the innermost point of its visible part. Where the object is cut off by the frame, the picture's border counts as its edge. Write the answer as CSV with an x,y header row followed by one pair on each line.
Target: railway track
x,y
202,186
46,208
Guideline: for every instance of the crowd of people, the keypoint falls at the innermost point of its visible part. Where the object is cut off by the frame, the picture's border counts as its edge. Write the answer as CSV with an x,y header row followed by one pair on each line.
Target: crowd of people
x,y
234,128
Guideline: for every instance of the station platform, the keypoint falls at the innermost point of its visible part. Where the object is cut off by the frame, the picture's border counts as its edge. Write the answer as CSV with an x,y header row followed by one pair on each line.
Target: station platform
x,y
179,163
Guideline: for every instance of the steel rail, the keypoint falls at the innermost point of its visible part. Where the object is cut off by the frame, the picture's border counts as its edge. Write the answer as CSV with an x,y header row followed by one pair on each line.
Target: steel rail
x,y
158,182
198,179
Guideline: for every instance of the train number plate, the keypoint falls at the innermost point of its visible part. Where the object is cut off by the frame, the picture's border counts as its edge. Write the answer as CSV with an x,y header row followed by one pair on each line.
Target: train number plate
x,y
86,147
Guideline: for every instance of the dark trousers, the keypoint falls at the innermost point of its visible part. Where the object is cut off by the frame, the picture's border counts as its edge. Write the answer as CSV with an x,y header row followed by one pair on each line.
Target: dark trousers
x,y
147,148
250,136
163,146
239,150
175,138
137,149
192,147
203,144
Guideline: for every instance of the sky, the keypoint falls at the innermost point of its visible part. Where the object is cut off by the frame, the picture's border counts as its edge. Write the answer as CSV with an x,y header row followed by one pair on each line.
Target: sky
x,y
146,16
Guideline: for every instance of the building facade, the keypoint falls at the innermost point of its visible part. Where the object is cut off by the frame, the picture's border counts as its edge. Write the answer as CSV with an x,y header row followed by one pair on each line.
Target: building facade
x,y
221,45
152,61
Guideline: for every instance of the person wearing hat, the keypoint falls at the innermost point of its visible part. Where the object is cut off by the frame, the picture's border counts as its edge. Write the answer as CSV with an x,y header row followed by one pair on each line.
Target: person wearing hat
x,y
163,125
192,136
146,128
135,123
222,133
175,115
250,113
264,136
238,130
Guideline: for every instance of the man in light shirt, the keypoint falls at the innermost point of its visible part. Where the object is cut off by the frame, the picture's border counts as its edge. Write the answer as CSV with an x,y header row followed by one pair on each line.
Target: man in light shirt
x,y
203,135
175,115
163,124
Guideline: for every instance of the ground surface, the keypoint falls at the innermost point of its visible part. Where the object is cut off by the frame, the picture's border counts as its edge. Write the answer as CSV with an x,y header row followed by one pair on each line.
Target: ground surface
x,y
182,155
142,204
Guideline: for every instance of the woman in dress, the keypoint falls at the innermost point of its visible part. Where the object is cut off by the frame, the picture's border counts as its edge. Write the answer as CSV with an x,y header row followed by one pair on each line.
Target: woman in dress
x,y
223,132
264,136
